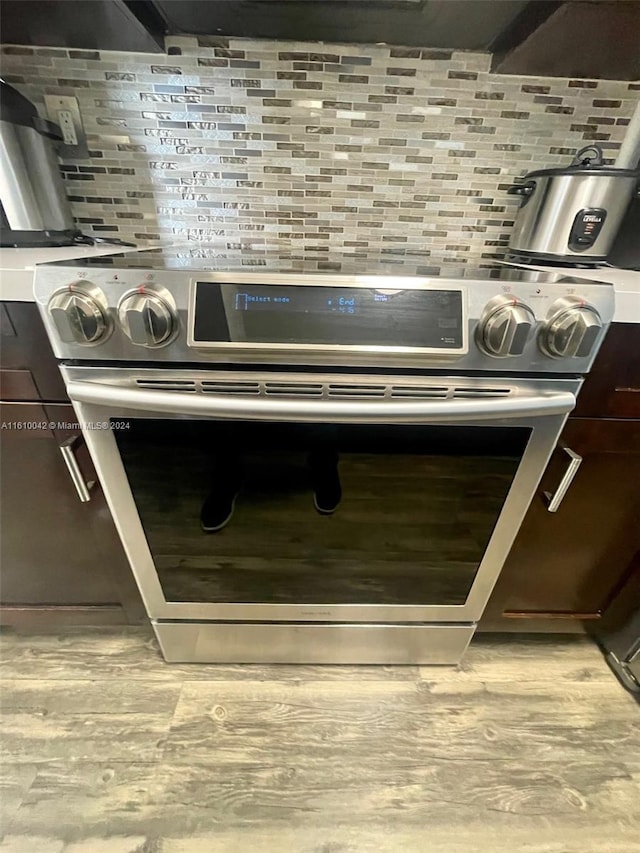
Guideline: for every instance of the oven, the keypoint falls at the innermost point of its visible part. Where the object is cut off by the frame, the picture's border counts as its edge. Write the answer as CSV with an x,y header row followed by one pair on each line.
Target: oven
x,y
277,391
436,475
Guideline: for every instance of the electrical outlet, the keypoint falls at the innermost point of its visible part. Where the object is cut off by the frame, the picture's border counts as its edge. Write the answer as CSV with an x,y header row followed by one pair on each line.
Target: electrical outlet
x,y
65,112
65,120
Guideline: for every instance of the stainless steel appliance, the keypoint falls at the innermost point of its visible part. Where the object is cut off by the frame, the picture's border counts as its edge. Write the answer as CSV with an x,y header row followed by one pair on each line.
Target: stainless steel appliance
x,y
622,650
618,633
572,214
439,392
34,210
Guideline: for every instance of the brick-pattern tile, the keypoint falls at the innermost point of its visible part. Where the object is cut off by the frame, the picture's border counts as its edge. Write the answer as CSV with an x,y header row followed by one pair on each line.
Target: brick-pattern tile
x,y
306,147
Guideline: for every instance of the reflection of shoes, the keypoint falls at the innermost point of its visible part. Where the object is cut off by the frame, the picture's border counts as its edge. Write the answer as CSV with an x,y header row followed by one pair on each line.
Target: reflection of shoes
x,y
326,500
327,492
217,510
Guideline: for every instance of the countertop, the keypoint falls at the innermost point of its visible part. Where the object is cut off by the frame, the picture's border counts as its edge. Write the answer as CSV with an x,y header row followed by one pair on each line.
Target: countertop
x,y
17,265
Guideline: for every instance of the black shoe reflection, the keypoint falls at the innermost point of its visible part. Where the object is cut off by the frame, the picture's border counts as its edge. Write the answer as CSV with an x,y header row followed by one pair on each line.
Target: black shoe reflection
x,y
218,507
220,503
325,480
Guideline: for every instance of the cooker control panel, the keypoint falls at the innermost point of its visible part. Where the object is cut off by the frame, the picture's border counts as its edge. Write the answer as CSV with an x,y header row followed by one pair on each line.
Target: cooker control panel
x,y
571,330
520,320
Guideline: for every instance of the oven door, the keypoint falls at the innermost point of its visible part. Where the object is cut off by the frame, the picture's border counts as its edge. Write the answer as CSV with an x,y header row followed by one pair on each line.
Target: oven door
x,y
435,474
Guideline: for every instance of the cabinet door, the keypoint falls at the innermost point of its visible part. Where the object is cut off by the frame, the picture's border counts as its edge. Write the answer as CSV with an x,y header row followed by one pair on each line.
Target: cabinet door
x,y
612,389
29,369
567,566
56,552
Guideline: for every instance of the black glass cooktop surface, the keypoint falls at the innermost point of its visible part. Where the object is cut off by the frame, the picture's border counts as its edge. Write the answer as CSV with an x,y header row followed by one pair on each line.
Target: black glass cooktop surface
x,y
209,258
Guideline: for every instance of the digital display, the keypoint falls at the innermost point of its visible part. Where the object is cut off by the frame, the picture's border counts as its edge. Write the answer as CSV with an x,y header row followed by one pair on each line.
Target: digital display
x,y
347,316
339,302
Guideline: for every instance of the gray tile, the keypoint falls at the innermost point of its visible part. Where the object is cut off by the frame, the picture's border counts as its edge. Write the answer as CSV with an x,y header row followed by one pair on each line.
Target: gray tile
x,y
352,108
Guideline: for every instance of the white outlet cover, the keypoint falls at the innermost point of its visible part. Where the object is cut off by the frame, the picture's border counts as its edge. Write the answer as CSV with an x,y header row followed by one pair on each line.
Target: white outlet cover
x,y
65,110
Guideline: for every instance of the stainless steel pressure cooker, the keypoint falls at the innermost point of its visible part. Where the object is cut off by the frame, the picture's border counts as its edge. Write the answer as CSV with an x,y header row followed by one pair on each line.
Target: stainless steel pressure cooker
x,y
34,210
572,214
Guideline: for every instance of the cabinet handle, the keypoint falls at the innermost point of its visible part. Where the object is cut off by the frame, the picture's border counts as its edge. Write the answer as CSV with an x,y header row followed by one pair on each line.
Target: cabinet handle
x,y
67,448
575,460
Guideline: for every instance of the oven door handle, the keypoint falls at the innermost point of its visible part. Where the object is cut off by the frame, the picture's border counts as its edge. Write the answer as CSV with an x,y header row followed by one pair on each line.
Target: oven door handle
x,y
257,408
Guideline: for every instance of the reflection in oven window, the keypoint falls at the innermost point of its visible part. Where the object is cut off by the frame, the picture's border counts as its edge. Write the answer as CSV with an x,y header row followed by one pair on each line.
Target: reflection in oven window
x,y
229,474
309,513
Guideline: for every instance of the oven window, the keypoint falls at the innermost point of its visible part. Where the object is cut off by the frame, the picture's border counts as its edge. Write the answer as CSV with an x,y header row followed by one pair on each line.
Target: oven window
x,y
323,514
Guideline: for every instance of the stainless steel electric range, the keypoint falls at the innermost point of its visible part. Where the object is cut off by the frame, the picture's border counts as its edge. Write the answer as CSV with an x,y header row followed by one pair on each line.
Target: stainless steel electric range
x,y
429,400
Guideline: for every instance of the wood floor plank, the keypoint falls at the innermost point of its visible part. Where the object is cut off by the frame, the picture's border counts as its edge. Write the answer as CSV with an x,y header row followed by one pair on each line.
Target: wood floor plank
x,y
15,781
126,736
331,839
396,839
44,697
49,720
132,654
525,658
74,800
31,844
249,721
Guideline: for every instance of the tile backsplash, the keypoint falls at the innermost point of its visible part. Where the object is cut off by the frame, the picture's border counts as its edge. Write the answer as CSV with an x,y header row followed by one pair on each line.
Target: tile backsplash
x,y
308,147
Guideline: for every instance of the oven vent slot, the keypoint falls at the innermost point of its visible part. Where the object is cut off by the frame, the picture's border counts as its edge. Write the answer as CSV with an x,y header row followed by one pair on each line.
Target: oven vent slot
x,y
359,391
419,392
481,393
167,384
294,389
223,387
321,390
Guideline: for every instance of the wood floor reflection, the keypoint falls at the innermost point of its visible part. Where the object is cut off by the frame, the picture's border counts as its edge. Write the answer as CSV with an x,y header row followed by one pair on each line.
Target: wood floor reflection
x,y
409,529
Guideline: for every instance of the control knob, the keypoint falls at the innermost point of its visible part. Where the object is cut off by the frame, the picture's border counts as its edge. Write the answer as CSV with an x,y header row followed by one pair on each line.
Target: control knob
x,y
571,329
78,314
505,326
147,316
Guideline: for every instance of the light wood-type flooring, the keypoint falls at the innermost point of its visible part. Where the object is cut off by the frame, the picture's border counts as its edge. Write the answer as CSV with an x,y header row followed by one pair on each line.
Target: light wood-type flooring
x,y
530,746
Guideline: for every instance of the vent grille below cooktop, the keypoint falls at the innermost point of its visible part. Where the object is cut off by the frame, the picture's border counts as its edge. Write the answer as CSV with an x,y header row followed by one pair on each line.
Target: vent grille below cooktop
x,y
323,390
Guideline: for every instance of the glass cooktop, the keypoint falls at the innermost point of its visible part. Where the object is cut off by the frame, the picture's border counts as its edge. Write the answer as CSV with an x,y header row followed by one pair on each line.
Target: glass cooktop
x,y
204,257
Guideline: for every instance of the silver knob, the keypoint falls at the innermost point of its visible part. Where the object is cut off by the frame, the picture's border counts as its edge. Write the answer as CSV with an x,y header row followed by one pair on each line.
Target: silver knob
x,y
505,326
77,314
146,318
571,329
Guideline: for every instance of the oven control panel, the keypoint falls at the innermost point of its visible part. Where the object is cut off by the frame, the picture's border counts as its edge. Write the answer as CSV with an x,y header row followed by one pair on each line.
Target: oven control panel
x,y
522,323
319,317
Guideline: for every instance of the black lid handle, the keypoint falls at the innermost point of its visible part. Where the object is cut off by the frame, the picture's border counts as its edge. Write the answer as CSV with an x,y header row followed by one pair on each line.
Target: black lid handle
x,y
582,158
522,189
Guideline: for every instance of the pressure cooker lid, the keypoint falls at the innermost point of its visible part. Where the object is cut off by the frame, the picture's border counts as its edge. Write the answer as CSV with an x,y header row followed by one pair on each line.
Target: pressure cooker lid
x,y
588,161
14,107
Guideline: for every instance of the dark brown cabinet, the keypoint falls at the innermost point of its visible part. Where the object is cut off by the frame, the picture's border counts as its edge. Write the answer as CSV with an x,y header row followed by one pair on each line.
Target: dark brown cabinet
x,y
60,559
28,370
612,389
566,568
